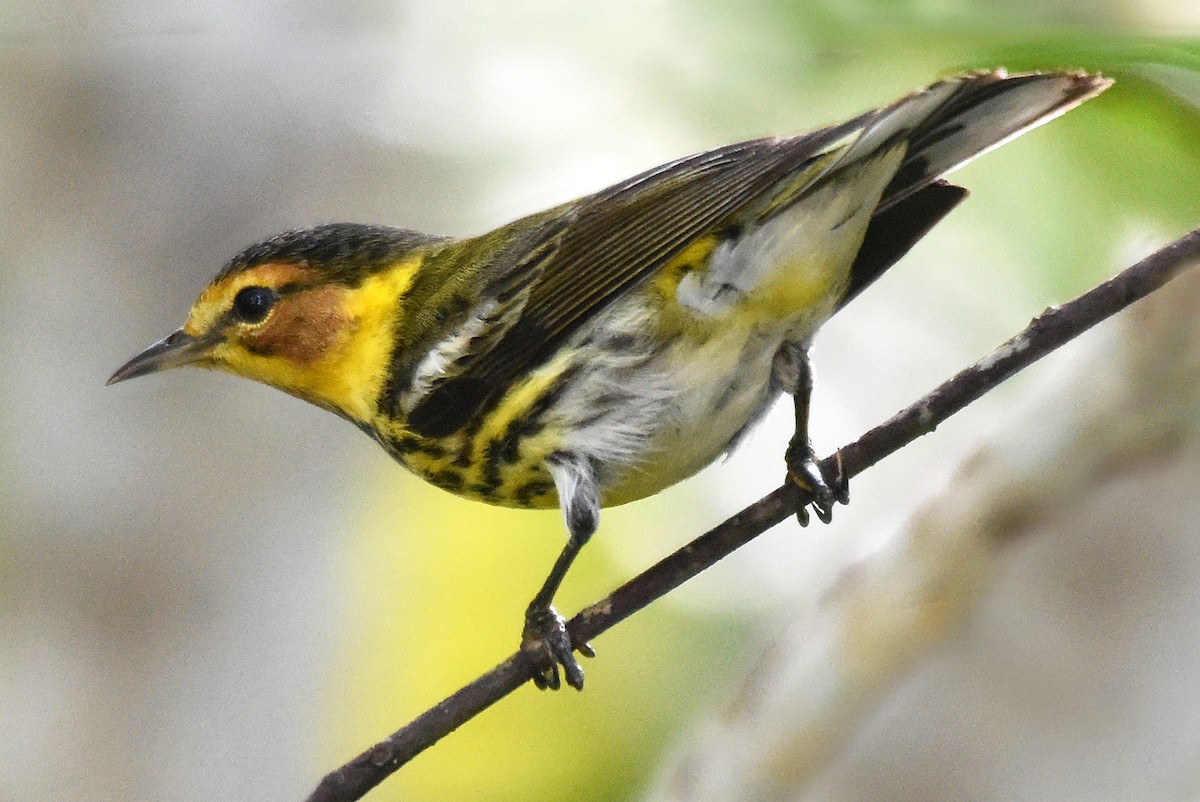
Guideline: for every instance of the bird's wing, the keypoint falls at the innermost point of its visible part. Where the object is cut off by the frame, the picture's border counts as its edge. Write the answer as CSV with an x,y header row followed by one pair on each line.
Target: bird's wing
x,y
614,239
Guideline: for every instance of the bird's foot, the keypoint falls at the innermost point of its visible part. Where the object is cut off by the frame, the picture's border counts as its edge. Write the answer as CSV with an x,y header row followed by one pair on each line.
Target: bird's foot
x,y
546,644
804,471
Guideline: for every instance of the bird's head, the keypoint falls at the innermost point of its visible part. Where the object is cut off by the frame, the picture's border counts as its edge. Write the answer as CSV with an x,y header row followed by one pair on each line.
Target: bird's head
x,y
311,312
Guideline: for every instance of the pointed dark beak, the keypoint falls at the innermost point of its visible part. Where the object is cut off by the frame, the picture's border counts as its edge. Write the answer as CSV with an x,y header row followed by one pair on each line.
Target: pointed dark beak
x,y
176,349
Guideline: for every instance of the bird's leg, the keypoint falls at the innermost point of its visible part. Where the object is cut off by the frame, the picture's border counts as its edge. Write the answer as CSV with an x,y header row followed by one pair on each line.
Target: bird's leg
x,y
794,373
545,639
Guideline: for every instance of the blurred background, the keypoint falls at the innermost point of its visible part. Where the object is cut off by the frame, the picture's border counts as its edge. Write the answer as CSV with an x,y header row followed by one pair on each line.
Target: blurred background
x,y
209,590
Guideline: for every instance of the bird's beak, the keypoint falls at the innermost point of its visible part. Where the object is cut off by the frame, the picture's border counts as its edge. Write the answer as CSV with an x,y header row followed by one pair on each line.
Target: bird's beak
x,y
176,349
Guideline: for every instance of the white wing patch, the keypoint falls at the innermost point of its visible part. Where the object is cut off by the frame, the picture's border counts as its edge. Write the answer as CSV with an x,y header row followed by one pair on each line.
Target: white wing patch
x,y
438,364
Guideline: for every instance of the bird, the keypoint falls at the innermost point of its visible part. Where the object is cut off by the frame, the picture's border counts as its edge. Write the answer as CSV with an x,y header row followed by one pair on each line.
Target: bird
x,y
600,351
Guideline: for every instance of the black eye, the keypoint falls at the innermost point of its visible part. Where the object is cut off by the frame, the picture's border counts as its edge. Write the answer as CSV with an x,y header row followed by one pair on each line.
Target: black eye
x,y
251,304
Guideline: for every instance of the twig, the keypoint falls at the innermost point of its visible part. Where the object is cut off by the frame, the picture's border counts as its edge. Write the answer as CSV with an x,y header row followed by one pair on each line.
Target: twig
x,y
1046,332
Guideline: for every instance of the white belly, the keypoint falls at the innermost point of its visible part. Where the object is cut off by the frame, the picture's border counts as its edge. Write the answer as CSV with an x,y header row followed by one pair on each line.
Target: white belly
x,y
653,421
724,388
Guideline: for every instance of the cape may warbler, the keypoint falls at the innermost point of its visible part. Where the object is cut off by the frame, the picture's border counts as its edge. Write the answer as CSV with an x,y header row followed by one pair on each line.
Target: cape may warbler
x,y
600,351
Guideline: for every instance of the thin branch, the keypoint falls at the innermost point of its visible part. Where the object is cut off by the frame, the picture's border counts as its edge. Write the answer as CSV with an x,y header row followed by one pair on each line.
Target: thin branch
x,y
1048,331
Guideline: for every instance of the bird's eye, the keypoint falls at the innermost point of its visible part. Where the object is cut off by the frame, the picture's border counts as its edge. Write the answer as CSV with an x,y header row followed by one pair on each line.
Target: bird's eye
x,y
252,304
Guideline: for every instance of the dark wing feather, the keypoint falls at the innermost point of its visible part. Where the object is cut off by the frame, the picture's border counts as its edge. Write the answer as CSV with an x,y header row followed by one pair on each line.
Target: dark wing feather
x,y
616,238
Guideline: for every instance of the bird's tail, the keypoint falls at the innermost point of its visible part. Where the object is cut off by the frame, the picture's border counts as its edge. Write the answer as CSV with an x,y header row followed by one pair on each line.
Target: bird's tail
x,y
951,122
943,127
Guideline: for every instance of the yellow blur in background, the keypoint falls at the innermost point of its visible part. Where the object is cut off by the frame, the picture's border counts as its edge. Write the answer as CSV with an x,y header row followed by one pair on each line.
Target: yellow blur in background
x,y
211,591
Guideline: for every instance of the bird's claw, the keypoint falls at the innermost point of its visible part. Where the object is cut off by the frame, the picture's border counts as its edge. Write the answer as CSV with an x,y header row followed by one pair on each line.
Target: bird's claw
x,y
804,471
546,644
